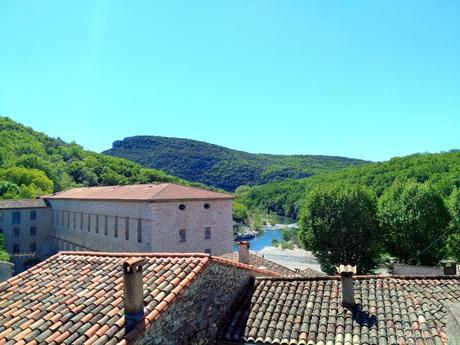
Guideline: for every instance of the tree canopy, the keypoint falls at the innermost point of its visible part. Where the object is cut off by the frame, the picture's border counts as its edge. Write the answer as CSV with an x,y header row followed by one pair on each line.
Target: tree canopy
x,y
338,223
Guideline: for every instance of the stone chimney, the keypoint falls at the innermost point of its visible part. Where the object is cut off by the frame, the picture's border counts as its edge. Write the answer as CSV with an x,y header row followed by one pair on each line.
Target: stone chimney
x,y
449,267
346,273
243,252
133,292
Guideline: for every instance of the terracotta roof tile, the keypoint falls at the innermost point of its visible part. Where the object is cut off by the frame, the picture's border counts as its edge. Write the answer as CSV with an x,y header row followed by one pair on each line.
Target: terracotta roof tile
x,y
142,192
388,310
66,304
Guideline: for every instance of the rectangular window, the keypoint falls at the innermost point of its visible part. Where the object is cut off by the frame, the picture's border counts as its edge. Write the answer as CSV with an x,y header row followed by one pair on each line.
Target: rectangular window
x,y
182,235
33,247
127,229
139,230
116,227
207,250
33,215
106,226
16,217
207,233
97,223
81,221
16,232
16,249
1,231
89,222
62,218
74,220
53,215
33,231
68,219
1,216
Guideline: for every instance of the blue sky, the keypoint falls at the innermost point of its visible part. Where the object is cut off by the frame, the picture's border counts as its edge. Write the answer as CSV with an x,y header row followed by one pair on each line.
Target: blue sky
x,y
363,79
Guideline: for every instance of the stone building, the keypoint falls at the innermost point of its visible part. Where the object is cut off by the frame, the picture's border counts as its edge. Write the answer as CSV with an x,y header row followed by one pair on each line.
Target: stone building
x,y
134,218
26,227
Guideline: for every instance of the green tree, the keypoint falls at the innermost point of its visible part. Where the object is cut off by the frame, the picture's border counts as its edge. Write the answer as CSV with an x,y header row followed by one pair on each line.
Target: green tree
x,y
240,212
415,221
453,242
338,223
3,253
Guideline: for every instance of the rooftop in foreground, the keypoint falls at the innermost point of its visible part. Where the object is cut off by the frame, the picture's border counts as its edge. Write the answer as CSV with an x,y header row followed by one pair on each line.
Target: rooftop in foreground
x,y
162,192
77,297
388,310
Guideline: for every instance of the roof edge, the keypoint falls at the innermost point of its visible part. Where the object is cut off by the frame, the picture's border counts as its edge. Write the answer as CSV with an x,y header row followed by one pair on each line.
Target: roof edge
x,y
134,254
361,277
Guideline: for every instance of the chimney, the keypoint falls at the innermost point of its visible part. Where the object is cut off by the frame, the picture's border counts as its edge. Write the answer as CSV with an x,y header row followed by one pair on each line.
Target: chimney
x,y
134,292
346,273
243,252
449,267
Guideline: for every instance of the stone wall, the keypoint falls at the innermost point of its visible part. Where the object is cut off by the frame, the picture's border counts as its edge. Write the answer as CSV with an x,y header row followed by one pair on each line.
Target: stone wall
x,y
197,315
412,270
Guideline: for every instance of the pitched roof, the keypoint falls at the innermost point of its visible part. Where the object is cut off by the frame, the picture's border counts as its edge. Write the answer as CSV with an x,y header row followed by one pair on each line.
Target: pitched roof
x,y
77,297
23,203
261,262
388,310
141,192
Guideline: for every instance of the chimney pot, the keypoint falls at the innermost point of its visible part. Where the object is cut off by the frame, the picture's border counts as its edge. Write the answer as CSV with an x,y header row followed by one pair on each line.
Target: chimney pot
x,y
243,252
346,274
133,291
449,267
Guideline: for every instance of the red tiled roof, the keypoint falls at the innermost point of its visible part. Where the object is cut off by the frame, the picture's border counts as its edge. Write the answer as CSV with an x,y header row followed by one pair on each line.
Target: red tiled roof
x,y
141,192
77,297
388,310
23,203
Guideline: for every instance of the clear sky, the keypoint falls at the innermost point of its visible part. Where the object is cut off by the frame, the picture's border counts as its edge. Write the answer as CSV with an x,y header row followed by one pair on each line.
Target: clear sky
x,y
365,79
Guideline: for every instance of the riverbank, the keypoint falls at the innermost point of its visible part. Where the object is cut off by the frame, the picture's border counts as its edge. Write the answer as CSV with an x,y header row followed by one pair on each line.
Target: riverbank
x,y
291,258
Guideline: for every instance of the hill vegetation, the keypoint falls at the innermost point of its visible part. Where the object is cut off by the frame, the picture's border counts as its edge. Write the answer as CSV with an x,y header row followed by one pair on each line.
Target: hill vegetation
x,y
32,163
218,166
440,170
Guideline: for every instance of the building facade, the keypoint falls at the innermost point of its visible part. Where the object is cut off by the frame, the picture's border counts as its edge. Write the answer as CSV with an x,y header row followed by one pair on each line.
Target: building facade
x,y
26,227
135,218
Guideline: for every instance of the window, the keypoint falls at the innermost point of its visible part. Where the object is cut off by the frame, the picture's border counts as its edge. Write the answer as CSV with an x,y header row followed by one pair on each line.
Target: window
x,y
68,219
206,206
182,235
1,231
16,249
33,231
16,217
139,230
97,223
74,220
62,218
207,250
16,232
207,233
1,216
33,247
127,229
181,207
33,215
106,225
89,222
81,221
116,227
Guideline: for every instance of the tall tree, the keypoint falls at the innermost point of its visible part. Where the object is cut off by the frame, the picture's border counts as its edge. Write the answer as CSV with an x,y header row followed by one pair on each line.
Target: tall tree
x,y
415,221
338,223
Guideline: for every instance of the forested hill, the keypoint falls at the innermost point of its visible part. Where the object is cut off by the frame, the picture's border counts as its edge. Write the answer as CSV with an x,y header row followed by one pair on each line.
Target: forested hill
x,y
32,163
220,166
442,170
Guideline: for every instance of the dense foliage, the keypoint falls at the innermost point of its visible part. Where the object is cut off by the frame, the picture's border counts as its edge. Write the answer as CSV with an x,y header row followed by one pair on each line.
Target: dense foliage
x,y
219,166
240,212
32,163
441,170
338,223
3,253
415,220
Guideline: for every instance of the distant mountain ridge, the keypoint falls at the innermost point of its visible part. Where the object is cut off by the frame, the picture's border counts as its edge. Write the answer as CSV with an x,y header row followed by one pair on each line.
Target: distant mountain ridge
x,y
219,166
